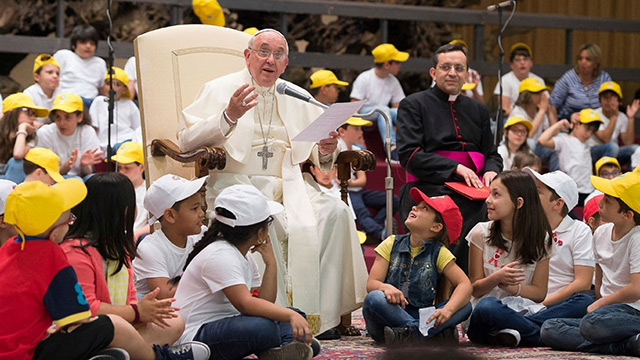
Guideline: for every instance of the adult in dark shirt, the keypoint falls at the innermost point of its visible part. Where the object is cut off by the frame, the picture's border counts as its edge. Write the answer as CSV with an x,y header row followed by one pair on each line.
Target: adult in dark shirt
x,y
443,136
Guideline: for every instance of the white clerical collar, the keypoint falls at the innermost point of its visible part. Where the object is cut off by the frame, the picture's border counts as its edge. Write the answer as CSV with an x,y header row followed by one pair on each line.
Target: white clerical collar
x,y
453,98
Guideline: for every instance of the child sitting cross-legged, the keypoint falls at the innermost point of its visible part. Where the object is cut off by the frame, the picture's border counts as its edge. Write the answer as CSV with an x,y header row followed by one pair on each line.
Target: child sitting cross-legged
x,y
612,323
404,276
221,296
177,204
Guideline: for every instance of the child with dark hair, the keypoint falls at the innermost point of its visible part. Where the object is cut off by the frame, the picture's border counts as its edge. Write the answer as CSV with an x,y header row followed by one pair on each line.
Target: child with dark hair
x,y
516,131
508,255
391,309
99,246
530,160
612,323
42,164
46,73
81,72
221,296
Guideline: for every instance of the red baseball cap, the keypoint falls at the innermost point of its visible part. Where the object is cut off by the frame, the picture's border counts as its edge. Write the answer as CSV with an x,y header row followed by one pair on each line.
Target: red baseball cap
x,y
591,207
446,208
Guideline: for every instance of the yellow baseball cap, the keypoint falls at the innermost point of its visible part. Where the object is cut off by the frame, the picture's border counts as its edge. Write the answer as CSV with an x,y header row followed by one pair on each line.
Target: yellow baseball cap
x,y
588,116
325,77
129,152
610,86
606,160
33,207
356,121
468,86
20,100
518,120
532,85
68,103
121,76
626,187
459,42
520,45
251,31
42,60
387,52
209,12
47,160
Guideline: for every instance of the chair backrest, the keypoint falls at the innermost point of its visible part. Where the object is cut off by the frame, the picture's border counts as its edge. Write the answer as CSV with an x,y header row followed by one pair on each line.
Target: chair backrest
x,y
172,64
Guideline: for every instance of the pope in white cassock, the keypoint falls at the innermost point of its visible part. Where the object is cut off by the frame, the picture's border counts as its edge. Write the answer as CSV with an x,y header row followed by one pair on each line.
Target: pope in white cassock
x,y
325,274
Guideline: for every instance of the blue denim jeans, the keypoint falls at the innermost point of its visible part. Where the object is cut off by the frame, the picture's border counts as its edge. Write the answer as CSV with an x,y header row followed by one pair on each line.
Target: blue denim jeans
x,y
607,149
624,155
392,114
378,313
490,316
14,171
547,156
605,330
239,336
364,199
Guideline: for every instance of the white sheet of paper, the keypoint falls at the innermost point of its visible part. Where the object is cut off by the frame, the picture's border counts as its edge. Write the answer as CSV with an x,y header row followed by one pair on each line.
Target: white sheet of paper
x,y
329,121
425,314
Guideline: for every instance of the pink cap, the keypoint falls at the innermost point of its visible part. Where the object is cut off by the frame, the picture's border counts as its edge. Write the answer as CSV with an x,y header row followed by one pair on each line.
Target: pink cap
x,y
446,208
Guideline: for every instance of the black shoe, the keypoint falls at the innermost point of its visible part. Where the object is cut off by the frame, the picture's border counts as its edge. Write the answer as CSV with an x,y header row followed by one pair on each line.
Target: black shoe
x,y
315,346
397,335
331,334
508,337
632,346
292,351
450,335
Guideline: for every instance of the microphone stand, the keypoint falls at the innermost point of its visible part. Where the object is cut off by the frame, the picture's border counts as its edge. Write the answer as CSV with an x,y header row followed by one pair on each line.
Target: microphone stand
x,y
111,91
500,112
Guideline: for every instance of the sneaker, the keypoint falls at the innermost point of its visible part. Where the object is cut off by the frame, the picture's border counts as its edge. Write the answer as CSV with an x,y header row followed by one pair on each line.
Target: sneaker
x,y
508,337
292,351
632,346
192,350
111,354
450,335
315,346
397,335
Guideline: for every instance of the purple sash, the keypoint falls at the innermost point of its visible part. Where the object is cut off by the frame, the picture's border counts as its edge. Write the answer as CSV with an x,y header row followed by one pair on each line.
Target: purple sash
x,y
471,159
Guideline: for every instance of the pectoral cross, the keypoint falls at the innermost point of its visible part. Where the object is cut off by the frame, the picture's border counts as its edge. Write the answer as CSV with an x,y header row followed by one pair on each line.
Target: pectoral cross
x,y
265,155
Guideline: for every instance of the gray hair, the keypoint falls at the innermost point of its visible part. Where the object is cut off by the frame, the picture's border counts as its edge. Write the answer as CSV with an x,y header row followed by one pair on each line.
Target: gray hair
x,y
286,43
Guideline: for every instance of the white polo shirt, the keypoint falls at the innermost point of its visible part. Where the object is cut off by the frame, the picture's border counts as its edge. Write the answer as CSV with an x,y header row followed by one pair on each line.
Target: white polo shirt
x,y
572,245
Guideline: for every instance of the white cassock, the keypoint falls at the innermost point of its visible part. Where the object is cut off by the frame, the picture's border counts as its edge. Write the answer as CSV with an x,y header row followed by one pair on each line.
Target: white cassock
x,y
316,237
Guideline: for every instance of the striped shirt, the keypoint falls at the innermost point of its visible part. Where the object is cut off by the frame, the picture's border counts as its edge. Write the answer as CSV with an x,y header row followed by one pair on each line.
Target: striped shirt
x,y
569,95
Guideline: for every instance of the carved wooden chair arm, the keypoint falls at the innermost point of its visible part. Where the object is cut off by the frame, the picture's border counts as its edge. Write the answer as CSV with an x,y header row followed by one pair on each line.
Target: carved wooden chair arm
x,y
363,160
206,158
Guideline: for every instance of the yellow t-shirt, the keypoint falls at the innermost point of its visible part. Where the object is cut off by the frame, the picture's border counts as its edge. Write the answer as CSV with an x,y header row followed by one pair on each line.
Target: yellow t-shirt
x,y
444,256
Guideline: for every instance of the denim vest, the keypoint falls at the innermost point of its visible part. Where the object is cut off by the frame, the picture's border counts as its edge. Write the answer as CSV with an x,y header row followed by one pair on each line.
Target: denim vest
x,y
420,272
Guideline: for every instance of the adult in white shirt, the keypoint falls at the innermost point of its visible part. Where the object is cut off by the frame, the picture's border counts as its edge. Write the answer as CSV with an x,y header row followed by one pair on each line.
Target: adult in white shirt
x,y
130,69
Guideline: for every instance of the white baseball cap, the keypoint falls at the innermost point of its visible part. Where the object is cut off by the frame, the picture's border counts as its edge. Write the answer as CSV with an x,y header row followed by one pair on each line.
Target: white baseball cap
x,y
168,190
561,183
6,187
247,204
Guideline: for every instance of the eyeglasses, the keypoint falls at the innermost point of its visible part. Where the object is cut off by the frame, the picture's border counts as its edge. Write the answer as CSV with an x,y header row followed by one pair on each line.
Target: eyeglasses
x,y
459,68
30,112
71,221
264,54
519,131
609,174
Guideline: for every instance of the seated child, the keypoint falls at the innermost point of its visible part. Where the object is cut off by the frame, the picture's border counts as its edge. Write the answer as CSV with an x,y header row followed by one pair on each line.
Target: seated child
x,y
129,161
7,231
391,309
223,300
71,136
363,199
516,131
46,73
81,72
570,270
591,213
606,167
41,164
612,324
17,133
522,160
177,204
573,151
508,255
126,116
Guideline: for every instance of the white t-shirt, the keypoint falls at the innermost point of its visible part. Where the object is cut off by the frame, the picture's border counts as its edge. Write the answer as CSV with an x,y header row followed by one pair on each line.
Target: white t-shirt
x,y
126,120
200,296
142,219
621,126
494,258
41,99
511,86
130,68
80,76
158,257
617,259
635,158
507,159
572,245
574,159
83,138
377,91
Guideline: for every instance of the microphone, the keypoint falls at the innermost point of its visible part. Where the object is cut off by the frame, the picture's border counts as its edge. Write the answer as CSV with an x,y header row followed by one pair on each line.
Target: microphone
x,y
284,89
500,5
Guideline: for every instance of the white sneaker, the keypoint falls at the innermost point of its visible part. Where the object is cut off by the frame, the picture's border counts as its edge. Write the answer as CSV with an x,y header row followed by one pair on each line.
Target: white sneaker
x,y
192,350
508,337
292,351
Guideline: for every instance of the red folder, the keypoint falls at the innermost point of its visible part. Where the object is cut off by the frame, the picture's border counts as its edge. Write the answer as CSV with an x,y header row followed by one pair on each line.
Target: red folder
x,y
468,191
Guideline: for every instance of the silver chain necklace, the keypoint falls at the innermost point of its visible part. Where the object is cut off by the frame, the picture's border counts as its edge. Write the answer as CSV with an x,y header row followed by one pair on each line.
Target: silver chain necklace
x,y
265,154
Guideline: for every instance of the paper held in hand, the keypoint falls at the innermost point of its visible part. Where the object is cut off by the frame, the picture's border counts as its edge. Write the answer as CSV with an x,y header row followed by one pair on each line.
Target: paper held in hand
x,y
329,121
425,314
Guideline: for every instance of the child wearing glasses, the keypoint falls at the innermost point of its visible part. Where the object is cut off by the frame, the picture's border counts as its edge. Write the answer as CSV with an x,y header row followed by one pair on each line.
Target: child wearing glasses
x,y
516,131
46,73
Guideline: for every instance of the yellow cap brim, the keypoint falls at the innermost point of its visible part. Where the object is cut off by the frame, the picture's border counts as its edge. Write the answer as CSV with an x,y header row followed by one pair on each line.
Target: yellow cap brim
x,y
74,192
341,83
603,185
362,237
468,86
401,56
358,122
66,108
122,159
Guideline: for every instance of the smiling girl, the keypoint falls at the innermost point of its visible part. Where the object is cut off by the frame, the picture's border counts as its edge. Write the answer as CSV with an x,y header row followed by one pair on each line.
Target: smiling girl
x,y
516,131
